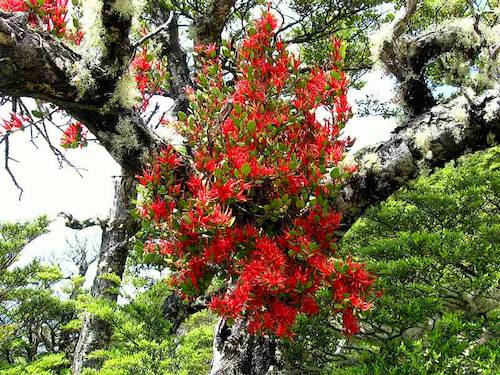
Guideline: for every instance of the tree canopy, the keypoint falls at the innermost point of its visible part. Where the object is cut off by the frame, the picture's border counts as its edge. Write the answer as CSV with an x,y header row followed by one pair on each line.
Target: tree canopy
x,y
226,118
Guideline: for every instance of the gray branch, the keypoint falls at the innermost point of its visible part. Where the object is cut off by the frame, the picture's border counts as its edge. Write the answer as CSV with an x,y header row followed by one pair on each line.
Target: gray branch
x,y
209,24
443,133
71,222
406,57
35,64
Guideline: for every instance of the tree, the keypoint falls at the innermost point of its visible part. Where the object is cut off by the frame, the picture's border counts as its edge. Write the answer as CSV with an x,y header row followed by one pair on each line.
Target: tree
x,y
91,84
42,310
267,156
36,325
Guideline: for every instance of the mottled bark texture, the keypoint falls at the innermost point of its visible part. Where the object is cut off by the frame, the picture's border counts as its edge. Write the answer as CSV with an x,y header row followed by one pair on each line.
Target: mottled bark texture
x,y
407,55
443,133
96,333
177,67
238,353
209,24
34,64
176,310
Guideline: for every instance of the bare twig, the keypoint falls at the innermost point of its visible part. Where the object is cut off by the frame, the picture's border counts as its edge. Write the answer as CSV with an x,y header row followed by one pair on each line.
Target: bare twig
x,y
155,32
7,167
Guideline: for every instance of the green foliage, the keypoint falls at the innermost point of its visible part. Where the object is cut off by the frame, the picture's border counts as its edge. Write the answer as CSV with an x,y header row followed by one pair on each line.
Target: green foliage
x,y
194,353
435,247
50,364
454,346
34,336
40,320
14,237
142,342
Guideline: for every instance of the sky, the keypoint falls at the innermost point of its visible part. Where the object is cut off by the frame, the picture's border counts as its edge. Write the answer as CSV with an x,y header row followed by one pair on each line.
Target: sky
x,y
50,189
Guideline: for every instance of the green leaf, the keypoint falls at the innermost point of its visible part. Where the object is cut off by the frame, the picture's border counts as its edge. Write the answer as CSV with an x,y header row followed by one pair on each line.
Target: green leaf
x,y
251,126
38,114
182,116
246,169
335,173
343,49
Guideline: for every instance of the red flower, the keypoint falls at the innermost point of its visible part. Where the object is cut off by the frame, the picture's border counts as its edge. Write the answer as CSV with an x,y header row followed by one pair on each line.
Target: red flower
x,y
309,306
159,209
53,14
149,175
350,322
211,50
15,122
74,136
168,156
150,77
254,207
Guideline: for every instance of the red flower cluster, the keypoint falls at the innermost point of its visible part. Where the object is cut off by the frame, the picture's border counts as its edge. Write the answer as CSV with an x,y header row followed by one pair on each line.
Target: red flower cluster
x,y
256,210
52,13
150,75
74,136
15,122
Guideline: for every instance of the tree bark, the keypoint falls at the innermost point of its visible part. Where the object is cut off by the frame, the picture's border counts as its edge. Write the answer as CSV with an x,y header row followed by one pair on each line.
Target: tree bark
x,y
96,333
406,56
177,67
236,352
443,133
209,24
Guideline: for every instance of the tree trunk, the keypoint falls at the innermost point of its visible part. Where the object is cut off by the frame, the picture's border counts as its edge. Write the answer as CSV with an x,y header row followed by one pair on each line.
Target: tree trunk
x,y
95,333
238,353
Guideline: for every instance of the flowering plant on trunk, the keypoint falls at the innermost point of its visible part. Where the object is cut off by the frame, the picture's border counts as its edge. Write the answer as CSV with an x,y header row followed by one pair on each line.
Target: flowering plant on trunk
x,y
255,209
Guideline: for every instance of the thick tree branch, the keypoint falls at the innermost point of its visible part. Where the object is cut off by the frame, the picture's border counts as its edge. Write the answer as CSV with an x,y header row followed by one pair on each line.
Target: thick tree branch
x,y
176,310
209,24
406,57
118,48
177,66
442,134
115,243
439,40
35,64
258,357
123,134
71,222
401,23
415,92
